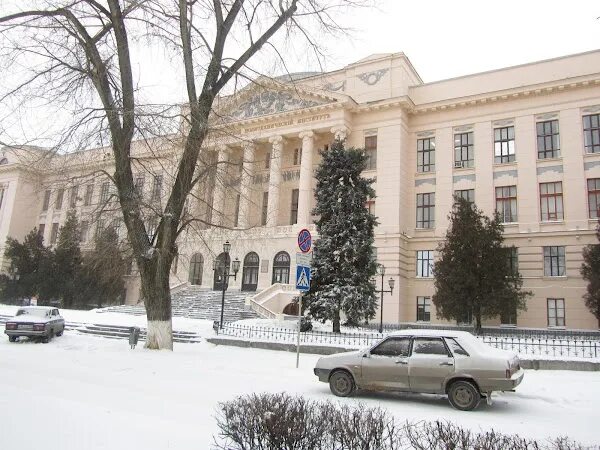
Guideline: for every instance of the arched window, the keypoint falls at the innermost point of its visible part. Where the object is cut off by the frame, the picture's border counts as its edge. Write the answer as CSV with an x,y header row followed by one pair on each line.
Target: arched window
x,y
223,261
281,268
196,268
250,275
3,161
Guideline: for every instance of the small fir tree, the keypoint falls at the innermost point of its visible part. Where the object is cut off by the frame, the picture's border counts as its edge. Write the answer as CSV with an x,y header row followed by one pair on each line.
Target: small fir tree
x,y
100,278
67,259
344,262
590,270
473,275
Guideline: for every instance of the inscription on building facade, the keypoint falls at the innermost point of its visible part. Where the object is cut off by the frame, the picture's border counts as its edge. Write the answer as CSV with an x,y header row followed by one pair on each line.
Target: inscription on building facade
x,y
285,123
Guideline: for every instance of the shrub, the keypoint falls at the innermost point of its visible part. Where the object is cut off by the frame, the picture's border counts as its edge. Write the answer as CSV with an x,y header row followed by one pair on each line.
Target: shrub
x,y
284,422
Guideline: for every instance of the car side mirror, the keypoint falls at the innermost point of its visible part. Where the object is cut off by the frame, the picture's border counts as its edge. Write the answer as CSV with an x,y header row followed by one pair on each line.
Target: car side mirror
x,y
366,355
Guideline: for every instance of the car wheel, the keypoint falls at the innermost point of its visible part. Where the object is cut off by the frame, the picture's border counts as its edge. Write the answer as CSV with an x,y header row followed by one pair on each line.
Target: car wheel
x,y
47,338
60,333
12,339
341,384
464,395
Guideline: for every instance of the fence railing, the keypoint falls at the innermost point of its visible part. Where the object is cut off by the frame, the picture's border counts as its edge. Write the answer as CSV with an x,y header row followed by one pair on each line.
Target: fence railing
x,y
523,345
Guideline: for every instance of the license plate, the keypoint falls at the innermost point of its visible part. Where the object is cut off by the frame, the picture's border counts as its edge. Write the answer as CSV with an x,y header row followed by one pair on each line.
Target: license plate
x,y
25,327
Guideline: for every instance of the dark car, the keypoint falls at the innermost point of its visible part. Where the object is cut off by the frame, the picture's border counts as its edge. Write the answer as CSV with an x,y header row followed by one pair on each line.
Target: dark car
x,y
43,322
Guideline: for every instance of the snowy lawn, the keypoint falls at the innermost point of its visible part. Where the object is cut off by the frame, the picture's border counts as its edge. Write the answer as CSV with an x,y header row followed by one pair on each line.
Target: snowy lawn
x,y
84,392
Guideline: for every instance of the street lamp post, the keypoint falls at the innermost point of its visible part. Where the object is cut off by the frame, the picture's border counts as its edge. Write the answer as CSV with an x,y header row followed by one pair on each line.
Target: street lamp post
x,y
225,275
391,281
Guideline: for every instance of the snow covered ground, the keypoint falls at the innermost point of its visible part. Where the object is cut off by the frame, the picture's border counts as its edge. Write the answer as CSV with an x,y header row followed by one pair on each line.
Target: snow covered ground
x,y
85,392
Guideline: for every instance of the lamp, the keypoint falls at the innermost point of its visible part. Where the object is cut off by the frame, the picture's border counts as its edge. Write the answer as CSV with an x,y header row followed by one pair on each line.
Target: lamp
x,y
391,282
224,277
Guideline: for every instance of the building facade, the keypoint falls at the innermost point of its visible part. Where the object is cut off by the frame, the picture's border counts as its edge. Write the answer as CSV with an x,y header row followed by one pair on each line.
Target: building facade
x,y
523,141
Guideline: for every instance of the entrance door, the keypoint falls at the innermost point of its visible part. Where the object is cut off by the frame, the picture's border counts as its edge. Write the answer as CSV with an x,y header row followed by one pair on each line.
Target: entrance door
x,y
196,268
250,274
221,271
386,366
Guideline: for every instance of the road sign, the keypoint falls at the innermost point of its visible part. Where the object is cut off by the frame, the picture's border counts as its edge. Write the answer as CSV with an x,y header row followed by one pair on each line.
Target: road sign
x,y
304,259
304,240
303,278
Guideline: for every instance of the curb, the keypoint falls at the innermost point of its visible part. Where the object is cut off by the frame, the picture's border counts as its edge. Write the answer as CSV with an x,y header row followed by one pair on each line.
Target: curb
x,y
534,364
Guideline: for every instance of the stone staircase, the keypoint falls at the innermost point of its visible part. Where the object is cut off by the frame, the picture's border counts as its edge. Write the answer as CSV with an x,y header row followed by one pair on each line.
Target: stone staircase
x,y
196,302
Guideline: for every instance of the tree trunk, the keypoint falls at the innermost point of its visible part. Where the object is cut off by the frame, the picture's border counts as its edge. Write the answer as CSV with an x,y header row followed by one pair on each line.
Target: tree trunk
x,y
336,321
478,322
157,299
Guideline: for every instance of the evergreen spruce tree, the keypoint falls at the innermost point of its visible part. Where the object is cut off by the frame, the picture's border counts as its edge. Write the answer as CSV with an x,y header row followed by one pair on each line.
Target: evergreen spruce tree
x,y
590,270
67,259
100,278
473,275
32,261
344,262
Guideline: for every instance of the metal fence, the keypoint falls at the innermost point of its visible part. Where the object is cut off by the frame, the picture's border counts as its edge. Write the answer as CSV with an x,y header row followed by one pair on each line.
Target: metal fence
x,y
523,345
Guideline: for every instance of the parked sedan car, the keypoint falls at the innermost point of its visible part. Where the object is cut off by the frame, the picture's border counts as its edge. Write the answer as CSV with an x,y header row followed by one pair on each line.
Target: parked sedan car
x,y
455,363
35,321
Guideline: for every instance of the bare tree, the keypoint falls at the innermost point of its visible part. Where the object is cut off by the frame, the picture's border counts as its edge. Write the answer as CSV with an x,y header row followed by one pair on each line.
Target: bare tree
x,y
79,53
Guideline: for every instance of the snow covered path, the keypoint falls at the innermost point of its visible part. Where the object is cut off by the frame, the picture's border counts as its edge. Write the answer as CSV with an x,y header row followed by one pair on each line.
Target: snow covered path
x,y
93,393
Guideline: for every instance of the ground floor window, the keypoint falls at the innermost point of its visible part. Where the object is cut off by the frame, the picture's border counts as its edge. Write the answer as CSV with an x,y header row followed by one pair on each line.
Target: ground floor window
x,y
556,312
423,309
281,268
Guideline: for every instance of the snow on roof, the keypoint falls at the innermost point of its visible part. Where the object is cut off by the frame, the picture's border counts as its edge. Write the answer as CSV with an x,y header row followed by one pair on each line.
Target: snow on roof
x,y
434,332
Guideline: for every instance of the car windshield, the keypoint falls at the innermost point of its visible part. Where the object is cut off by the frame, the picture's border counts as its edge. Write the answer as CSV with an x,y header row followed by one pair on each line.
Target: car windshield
x,y
37,312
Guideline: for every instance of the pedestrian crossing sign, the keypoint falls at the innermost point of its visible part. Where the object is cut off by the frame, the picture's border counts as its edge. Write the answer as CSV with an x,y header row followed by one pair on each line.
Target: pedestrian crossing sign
x,y
303,278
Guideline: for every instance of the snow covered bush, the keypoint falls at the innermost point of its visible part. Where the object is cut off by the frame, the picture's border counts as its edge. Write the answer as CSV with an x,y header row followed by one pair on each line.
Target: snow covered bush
x,y
284,422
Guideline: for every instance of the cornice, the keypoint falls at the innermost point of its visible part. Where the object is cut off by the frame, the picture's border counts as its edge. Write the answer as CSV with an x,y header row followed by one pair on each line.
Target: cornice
x,y
506,95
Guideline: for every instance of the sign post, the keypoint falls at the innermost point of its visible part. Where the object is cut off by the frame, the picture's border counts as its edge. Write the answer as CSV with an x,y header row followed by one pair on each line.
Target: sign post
x,y
303,264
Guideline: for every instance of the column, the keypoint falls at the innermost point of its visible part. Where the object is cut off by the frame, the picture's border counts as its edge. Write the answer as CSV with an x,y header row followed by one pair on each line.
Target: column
x,y
274,180
218,216
306,174
340,132
246,179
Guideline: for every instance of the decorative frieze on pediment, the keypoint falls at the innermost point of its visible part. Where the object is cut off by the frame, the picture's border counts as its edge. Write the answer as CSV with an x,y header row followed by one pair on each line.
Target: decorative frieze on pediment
x,y
372,78
271,102
336,87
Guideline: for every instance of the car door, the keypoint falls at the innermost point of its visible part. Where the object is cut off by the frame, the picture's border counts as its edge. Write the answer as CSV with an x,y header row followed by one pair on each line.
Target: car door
x,y
385,366
430,363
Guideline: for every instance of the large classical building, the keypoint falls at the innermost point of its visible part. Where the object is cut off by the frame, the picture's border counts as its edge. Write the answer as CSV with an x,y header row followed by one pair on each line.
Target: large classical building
x,y
523,141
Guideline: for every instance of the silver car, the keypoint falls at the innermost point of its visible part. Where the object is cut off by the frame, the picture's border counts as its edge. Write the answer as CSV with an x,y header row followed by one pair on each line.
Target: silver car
x,y
35,321
455,363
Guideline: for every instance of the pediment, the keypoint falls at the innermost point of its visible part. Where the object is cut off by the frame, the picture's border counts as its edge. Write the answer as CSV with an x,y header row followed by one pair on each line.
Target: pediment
x,y
271,97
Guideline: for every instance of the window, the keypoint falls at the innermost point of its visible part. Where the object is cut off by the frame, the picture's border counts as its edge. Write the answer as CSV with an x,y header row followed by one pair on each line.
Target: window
x,y
551,201
116,226
151,227
2,189
429,346
426,210
73,197
138,186
504,145
265,208
506,203
423,309
3,161
456,348
157,188
84,230
394,347
463,150
556,312
297,156
424,263
294,208
593,186
591,133
548,143
100,224
513,260
41,230
267,160
46,203
54,234
104,192
89,192
60,195
281,268
466,194
370,205
371,152
554,261
426,155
